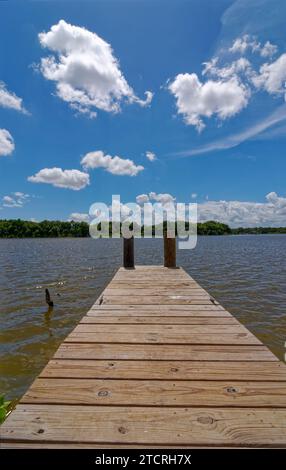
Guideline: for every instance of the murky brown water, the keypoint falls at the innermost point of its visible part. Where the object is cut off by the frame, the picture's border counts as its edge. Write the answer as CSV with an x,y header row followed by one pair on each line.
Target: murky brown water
x,y
247,274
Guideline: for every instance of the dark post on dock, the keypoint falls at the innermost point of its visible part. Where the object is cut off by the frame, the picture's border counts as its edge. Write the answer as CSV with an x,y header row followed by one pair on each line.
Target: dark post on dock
x,y
128,253
169,252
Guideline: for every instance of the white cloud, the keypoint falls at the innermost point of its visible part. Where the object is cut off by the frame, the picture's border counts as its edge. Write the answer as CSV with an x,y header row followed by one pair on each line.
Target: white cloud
x,y
142,199
115,165
245,43
163,198
268,50
246,214
86,72
248,43
7,145
17,199
79,217
150,155
71,179
232,70
230,83
231,141
272,76
194,195
195,99
10,100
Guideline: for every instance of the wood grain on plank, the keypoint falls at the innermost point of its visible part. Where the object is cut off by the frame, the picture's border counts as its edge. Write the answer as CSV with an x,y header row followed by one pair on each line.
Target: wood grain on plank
x,y
140,425
162,329
78,445
161,283
160,314
152,319
165,370
156,300
157,393
164,308
163,334
164,352
169,291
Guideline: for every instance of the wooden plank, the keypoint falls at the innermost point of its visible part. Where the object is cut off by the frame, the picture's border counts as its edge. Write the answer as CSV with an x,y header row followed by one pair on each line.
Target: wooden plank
x,y
113,337
160,314
161,283
164,352
162,291
157,393
172,276
165,370
140,425
156,329
133,313
156,300
150,320
160,308
163,334
78,445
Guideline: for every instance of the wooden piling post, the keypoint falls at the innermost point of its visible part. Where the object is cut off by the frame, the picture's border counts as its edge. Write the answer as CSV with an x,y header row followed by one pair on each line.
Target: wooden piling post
x,y
128,252
169,252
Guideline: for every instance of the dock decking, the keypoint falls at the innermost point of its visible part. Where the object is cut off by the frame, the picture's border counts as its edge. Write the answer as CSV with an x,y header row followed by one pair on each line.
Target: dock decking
x,y
156,362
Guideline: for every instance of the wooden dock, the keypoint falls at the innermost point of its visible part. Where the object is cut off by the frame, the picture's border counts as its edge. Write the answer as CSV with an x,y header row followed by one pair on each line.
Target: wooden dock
x,y
156,362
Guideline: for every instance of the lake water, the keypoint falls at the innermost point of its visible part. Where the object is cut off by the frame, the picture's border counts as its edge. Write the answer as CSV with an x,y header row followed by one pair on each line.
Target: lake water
x,y
247,274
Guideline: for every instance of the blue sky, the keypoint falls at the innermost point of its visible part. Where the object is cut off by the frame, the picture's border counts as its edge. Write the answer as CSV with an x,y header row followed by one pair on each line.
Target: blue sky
x,y
217,131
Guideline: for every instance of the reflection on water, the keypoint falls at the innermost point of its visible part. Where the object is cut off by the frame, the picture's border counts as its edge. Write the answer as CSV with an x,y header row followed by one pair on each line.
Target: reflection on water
x,y
247,274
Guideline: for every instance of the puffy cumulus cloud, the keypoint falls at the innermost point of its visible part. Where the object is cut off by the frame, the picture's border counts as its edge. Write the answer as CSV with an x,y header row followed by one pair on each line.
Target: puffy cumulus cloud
x,y
163,198
17,199
79,217
246,214
229,84
7,145
248,43
194,99
115,165
86,72
150,155
272,76
10,100
162,206
70,179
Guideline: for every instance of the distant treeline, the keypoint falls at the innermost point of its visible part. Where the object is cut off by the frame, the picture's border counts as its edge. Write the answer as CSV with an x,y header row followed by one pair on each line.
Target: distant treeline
x,y
16,228
257,230
45,229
